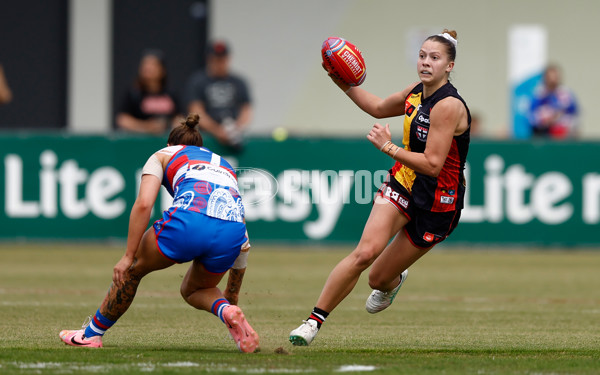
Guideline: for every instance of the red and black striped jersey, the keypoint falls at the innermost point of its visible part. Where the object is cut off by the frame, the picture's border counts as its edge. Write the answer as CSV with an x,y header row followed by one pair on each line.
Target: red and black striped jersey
x,y
445,192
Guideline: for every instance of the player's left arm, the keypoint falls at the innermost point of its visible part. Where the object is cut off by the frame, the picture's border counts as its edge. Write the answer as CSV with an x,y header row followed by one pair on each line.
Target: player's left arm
x,y
138,221
447,119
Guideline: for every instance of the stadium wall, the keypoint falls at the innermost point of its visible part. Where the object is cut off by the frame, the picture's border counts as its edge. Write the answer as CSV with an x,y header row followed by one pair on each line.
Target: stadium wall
x,y
278,50
70,187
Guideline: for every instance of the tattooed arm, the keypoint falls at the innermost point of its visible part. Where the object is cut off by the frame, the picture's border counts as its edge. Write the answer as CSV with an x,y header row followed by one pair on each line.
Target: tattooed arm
x,y
138,221
234,284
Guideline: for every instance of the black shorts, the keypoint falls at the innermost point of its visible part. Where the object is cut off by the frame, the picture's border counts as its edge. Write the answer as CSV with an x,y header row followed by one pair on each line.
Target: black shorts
x,y
424,228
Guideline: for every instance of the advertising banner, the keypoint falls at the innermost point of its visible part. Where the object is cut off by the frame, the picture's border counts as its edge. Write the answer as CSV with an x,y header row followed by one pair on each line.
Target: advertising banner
x,y
527,59
299,190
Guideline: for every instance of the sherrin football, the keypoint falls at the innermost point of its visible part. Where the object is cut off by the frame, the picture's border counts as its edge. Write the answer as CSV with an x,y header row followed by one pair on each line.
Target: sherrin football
x,y
345,61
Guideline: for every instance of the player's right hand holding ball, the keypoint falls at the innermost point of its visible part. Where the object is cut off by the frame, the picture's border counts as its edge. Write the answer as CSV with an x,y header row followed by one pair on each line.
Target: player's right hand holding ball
x,y
341,84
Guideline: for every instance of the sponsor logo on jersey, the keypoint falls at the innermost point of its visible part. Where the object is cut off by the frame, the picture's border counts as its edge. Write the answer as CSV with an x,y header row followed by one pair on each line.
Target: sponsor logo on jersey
x,y
210,168
396,197
446,200
422,119
429,237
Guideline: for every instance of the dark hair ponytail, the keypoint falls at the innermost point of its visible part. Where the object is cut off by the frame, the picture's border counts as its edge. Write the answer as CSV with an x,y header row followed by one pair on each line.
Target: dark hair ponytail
x,y
186,133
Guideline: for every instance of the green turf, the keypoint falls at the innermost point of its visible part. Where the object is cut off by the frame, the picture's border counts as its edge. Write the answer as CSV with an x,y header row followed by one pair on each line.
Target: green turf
x,y
460,312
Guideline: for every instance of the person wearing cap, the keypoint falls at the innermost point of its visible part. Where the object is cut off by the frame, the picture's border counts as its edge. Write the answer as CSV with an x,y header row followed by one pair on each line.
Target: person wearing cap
x,y
221,98
149,106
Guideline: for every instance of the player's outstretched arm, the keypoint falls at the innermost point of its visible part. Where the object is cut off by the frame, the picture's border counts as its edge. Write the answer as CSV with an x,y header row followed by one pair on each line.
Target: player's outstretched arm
x,y
391,106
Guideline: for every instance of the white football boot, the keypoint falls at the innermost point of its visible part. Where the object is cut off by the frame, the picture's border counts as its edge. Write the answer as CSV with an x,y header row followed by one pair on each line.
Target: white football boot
x,y
379,301
305,334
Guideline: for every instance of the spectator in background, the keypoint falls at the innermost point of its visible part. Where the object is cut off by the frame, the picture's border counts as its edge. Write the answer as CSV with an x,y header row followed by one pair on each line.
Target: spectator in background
x,y
5,93
221,98
149,107
553,107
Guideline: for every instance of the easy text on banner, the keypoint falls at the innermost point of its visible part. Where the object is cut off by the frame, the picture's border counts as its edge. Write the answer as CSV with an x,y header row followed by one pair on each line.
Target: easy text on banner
x,y
83,187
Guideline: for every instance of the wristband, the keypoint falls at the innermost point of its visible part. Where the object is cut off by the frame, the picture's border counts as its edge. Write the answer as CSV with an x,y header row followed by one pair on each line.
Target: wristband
x,y
390,148
347,91
385,144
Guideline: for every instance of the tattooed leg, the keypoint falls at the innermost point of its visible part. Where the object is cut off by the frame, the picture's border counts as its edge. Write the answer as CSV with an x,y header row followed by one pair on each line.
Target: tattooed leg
x,y
118,299
147,259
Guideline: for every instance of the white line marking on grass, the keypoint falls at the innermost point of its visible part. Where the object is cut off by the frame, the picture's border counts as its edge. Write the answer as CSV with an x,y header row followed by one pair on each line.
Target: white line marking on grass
x,y
355,368
180,364
146,367
274,371
36,365
156,306
70,367
44,304
260,370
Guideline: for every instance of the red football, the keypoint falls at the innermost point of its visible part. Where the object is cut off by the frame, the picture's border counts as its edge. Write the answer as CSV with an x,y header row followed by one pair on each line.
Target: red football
x,y
344,60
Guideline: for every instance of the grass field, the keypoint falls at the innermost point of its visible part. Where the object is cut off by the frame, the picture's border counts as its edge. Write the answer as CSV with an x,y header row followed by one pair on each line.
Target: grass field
x,y
460,312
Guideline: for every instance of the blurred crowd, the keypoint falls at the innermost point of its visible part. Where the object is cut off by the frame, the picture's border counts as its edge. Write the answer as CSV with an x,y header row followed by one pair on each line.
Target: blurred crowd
x,y
223,101
220,97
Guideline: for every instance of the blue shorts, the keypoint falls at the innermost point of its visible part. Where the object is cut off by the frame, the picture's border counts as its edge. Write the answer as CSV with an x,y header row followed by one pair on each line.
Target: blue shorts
x,y
183,235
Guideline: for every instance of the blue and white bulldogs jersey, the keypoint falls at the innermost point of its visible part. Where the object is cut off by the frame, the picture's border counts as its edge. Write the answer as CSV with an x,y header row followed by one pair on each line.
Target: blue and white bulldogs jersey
x,y
200,180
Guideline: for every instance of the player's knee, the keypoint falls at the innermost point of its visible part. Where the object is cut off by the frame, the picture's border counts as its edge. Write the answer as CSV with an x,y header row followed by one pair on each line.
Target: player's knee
x,y
185,292
363,260
365,255
139,268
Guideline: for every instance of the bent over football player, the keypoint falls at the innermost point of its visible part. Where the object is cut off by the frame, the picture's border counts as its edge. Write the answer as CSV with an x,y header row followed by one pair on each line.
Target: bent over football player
x,y
204,225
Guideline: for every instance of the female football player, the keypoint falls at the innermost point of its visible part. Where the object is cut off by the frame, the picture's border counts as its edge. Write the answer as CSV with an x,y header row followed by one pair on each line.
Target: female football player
x,y
205,225
420,203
